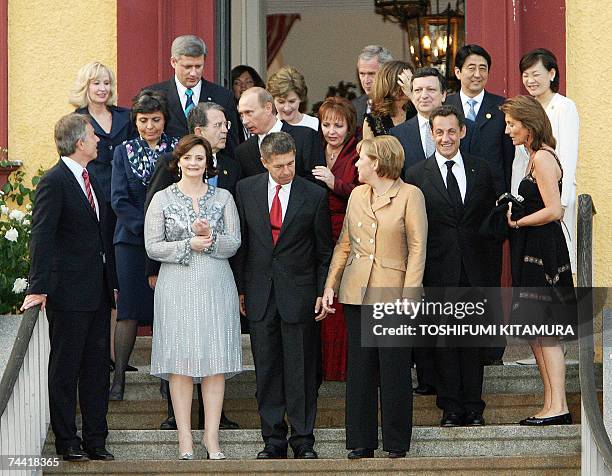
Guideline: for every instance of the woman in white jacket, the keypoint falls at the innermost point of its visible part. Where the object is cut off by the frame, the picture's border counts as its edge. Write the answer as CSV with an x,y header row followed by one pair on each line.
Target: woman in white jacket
x,y
540,74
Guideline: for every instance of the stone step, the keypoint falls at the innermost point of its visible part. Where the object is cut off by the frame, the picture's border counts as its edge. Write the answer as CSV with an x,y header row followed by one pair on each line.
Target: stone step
x,y
501,410
559,465
508,379
494,440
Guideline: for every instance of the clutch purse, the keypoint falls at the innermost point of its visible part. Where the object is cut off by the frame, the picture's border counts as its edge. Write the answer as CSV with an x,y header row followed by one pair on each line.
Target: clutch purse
x,y
518,207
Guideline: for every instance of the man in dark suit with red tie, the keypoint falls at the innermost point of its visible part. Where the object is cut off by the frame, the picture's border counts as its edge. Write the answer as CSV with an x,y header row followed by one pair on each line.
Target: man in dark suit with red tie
x,y
188,88
281,269
69,277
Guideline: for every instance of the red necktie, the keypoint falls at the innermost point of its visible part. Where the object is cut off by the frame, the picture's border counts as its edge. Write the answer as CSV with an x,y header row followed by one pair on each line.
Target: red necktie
x,y
276,215
88,190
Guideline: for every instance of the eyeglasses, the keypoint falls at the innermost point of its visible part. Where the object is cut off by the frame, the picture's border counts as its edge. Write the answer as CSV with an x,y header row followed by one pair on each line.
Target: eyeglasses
x,y
249,83
217,125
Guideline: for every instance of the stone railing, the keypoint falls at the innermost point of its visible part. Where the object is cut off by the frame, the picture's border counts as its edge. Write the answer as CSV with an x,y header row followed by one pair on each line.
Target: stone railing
x,y
24,356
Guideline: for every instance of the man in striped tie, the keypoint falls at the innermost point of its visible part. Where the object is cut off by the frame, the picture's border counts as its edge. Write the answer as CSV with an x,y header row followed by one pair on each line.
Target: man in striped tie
x,y
69,278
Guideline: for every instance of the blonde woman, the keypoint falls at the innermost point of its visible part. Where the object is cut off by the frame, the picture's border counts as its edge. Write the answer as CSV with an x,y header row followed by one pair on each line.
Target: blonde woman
x,y
290,93
94,93
391,104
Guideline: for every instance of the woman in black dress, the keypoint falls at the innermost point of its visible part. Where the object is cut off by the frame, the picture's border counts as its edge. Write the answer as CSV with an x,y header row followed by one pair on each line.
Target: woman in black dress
x,y
391,105
541,272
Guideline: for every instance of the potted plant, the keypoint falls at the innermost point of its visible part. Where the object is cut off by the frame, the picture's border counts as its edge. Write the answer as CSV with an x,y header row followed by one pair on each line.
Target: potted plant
x,y
15,227
7,166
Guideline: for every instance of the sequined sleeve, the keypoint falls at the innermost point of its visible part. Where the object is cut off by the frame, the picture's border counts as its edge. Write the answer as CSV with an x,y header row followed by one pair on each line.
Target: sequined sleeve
x,y
226,240
156,243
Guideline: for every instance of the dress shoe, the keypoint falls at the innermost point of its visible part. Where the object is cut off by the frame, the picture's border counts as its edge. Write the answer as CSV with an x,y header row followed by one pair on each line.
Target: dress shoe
x,y
129,368
227,424
474,419
359,453
186,456
168,424
215,455
73,453
305,452
116,391
425,389
397,454
100,453
565,419
450,420
272,452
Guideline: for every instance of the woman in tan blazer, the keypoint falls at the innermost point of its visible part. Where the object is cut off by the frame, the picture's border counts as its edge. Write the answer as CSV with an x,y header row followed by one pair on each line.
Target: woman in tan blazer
x,y
379,257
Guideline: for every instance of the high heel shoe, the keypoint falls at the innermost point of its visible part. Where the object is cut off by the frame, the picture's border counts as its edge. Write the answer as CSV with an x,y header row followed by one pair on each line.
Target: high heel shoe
x,y
186,456
215,455
116,391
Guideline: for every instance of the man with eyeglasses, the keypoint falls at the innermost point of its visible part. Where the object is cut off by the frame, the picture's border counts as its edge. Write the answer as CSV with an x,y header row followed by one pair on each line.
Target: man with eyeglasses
x,y
206,120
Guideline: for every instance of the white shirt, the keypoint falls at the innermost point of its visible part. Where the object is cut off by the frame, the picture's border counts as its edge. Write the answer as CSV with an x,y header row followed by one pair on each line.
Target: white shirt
x,y
275,128
458,171
77,171
195,97
466,107
283,194
424,128
307,121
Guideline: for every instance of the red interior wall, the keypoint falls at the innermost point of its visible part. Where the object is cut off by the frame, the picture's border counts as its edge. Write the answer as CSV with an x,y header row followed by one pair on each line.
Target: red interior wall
x,y
509,28
145,30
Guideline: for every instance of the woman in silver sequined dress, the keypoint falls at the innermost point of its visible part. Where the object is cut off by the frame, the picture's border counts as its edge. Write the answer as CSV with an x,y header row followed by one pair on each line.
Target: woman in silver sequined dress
x,y
193,228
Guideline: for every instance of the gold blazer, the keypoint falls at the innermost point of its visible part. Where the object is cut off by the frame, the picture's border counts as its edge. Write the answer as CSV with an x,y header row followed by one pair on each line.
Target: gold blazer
x,y
380,254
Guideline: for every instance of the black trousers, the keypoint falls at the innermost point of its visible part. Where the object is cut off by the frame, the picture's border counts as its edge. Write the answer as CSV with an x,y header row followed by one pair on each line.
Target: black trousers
x,y
80,350
460,372
286,373
367,369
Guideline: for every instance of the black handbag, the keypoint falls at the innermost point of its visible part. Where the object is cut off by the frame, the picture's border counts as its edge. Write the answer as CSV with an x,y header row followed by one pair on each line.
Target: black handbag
x,y
518,207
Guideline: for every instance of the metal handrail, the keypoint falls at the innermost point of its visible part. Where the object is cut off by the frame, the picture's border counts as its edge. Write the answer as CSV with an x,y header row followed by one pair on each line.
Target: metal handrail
x,y
590,404
15,361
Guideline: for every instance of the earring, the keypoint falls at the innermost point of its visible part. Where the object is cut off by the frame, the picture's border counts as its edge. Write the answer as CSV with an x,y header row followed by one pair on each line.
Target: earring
x,y
180,172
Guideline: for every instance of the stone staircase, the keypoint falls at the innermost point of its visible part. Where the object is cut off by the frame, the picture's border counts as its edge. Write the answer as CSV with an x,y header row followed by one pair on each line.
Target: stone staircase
x,y
501,448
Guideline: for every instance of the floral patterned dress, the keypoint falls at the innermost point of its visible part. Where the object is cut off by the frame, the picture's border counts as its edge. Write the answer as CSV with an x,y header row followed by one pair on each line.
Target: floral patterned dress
x,y
196,328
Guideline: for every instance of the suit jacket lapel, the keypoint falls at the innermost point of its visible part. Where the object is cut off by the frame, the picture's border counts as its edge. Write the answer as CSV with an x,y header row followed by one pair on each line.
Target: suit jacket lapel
x,y
414,134
471,173
296,199
485,107
119,122
204,96
260,197
79,191
433,171
222,172
385,200
174,103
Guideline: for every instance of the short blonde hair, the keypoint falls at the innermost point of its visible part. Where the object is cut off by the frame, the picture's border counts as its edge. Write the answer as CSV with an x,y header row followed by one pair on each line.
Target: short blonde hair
x,y
88,73
389,153
289,79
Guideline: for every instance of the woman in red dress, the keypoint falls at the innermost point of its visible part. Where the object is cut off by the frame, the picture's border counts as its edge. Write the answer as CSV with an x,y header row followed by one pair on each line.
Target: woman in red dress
x,y
338,124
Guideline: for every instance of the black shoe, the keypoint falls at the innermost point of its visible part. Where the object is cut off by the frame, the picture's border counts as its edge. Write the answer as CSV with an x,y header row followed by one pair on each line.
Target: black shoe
x,y
359,453
73,453
305,452
116,391
272,452
474,419
565,419
425,389
99,454
168,424
450,420
397,454
129,368
227,424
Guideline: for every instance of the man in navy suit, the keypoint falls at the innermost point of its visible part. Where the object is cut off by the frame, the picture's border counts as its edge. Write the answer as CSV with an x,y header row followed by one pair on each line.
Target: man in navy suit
x,y
428,93
472,66
188,88
70,277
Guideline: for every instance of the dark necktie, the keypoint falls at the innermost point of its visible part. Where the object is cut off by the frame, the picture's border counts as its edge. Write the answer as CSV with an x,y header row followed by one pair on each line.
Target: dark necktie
x,y
189,105
90,198
452,186
276,215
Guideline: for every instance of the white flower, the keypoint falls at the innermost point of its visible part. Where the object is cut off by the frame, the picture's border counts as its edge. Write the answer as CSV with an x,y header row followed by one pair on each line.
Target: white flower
x,y
28,207
25,222
20,285
4,209
17,215
12,234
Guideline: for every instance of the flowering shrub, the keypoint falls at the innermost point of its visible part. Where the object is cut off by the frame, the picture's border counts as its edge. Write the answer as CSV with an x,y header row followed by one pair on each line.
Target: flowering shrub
x,y
15,227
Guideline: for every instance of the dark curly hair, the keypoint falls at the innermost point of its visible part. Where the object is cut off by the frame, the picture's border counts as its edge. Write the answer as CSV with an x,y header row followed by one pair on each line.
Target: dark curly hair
x,y
147,101
187,143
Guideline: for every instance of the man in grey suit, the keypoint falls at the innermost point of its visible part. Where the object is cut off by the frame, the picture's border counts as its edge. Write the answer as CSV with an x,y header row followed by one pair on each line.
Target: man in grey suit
x,y
369,62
